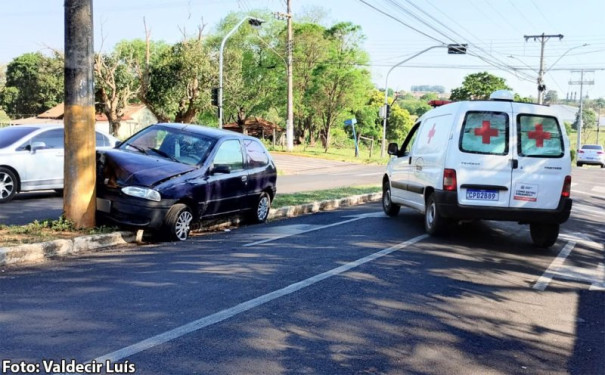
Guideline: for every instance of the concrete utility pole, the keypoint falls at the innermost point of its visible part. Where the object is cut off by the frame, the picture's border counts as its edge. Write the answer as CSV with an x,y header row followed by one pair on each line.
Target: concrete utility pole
x,y
581,82
543,39
79,196
290,118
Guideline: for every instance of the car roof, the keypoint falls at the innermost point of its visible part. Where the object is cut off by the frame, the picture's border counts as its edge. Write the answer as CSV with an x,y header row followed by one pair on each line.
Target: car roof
x,y
205,130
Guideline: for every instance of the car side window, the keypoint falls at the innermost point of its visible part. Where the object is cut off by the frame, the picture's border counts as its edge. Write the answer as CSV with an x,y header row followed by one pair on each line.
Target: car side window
x,y
52,139
257,156
101,140
485,132
539,136
230,154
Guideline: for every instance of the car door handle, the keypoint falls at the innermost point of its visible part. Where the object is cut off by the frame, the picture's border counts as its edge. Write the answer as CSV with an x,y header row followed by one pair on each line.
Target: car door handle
x,y
244,178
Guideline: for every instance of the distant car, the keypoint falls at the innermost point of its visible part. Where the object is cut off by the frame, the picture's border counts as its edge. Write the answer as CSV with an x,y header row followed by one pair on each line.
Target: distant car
x,y
169,176
591,154
31,158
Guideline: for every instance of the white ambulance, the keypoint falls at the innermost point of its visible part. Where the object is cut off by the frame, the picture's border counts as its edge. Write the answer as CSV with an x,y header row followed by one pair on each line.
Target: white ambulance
x,y
492,160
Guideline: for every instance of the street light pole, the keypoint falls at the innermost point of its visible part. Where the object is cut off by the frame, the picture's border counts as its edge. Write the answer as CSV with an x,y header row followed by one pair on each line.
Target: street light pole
x,y
256,22
386,93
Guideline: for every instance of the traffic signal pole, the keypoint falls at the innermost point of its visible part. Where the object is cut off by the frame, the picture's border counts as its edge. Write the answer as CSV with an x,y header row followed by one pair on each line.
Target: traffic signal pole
x,y
79,196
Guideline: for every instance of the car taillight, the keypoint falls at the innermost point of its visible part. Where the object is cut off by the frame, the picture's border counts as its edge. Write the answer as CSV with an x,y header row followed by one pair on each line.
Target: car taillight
x,y
580,151
600,152
449,179
566,192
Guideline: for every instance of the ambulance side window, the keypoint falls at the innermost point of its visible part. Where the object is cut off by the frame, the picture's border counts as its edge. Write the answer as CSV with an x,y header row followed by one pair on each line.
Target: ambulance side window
x,y
406,147
485,132
539,136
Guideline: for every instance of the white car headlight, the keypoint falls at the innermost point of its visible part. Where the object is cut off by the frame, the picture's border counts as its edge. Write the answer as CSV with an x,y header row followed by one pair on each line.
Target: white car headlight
x,y
142,192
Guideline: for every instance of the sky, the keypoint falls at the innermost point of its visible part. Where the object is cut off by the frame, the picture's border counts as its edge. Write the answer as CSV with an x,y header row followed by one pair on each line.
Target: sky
x,y
395,31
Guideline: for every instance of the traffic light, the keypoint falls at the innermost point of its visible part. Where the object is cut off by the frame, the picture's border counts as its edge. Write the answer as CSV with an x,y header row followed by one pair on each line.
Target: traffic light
x,y
388,110
215,96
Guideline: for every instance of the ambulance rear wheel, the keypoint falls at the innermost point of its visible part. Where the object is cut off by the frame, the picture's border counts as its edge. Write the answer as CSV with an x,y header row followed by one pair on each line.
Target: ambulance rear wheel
x,y
544,235
434,223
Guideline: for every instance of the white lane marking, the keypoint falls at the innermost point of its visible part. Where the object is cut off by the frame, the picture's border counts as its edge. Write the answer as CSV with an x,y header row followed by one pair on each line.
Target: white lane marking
x,y
554,267
589,209
598,189
599,283
315,228
245,306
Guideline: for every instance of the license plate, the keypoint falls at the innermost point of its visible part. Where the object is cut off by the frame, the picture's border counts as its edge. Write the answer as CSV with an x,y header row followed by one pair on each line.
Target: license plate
x,y
482,195
103,205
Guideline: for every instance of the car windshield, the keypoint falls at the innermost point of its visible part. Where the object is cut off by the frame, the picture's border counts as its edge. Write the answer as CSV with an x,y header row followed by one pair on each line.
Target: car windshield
x,y
12,134
174,144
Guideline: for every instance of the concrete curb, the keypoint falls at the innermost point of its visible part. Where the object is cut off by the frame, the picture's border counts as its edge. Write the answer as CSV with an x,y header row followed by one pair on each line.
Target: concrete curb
x,y
40,252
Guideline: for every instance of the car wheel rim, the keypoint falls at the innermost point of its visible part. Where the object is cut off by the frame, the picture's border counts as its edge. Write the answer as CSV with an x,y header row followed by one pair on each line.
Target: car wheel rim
x,y
263,208
182,225
430,215
6,185
386,199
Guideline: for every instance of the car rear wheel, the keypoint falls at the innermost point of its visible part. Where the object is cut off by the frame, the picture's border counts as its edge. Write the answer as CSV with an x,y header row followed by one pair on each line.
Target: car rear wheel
x,y
178,222
544,235
8,185
390,208
579,164
434,223
260,212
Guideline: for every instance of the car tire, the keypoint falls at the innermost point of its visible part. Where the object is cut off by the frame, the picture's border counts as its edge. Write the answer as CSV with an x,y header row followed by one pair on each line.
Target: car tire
x,y
178,222
579,164
260,211
544,235
390,208
8,185
434,223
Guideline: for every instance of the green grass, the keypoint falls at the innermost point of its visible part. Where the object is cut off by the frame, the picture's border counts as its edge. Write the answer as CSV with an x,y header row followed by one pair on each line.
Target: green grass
x,y
282,200
339,154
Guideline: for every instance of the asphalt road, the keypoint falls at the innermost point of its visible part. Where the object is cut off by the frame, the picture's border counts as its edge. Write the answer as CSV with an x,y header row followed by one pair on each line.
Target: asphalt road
x,y
341,292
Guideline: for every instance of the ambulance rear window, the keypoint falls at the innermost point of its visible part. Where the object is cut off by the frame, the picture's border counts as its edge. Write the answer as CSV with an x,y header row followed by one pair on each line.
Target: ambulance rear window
x,y
485,133
539,136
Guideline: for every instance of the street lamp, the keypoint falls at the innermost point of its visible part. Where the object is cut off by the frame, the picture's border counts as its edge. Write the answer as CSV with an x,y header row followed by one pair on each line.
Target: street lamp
x,y
255,22
454,49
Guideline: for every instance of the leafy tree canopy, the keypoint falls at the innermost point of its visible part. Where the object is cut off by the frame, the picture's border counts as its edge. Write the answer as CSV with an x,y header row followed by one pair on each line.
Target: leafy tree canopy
x,y
478,86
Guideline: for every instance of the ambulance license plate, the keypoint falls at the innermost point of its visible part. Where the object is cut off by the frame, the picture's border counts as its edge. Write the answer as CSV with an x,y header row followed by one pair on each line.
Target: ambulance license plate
x,y
482,195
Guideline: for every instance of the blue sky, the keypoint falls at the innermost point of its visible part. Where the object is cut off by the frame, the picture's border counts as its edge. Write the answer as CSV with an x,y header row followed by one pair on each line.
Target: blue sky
x,y
395,30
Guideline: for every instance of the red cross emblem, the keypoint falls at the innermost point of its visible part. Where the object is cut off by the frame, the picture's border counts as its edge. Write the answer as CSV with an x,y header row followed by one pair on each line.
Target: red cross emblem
x,y
486,132
539,135
432,133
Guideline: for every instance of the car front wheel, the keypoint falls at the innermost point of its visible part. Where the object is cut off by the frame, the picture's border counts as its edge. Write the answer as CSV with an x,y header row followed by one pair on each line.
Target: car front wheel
x,y
8,185
260,212
178,222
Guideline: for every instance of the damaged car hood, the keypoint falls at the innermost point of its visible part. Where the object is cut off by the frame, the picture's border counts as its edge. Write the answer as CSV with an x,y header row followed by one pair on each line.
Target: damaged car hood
x,y
117,168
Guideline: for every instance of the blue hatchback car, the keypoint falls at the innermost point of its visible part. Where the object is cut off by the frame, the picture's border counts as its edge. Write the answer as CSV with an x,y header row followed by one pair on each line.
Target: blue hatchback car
x,y
170,176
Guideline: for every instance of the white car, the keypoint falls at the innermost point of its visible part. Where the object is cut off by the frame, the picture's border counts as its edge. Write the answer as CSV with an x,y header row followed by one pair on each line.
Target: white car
x,y
31,157
591,154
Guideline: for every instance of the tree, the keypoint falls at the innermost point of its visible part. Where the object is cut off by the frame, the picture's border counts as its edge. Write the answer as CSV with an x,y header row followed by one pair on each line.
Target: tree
x,y
338,84
589,119
478,86
117,80
400,123
551,97
34,83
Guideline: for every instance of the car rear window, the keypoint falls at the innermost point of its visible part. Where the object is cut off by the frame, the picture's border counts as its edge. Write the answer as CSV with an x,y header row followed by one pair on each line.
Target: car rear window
x,y
12,134
485,132
592,147
539,136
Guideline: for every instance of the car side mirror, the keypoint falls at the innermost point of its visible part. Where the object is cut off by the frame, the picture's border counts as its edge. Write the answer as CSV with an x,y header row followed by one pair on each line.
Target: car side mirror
x,y
220,168
393,149
118,143
37,146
